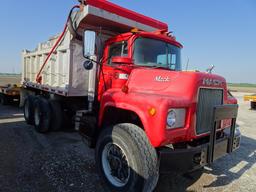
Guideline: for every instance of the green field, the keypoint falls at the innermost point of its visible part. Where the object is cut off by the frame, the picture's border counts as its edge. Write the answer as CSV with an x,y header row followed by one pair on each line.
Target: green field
x,y
242,87
248,85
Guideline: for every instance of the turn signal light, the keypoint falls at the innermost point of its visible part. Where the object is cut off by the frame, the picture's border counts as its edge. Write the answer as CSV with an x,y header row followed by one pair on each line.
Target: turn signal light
x,y
135,30
152,111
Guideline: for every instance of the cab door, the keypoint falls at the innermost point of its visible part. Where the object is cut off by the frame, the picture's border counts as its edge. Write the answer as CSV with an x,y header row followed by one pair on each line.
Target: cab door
x,y
110,69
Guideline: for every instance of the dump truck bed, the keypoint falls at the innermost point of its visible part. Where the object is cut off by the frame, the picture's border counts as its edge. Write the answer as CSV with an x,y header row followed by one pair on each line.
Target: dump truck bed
x,y
64,74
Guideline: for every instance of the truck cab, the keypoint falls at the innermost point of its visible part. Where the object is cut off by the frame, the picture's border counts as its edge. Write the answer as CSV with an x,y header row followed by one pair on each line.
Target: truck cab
x,y
128,51
187,117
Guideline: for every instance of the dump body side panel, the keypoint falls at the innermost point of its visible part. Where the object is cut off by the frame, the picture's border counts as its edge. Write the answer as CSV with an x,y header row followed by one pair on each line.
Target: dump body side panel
x,y
63,74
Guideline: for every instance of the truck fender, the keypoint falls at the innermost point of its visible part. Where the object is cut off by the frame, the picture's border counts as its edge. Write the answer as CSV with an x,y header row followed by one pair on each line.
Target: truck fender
x,y
124,106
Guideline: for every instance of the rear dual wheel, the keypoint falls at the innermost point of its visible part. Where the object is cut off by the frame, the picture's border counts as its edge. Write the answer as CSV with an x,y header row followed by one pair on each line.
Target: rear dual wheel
x,y
43,114
28,109
57,115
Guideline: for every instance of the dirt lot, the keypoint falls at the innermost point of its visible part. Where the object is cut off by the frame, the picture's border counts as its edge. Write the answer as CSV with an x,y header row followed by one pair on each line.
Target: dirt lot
x,y
10,79
60,161
243,89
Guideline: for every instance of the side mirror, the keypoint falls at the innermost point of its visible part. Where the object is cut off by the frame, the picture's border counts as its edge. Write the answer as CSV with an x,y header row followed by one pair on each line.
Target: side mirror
x,y
89,43
88,65
121,60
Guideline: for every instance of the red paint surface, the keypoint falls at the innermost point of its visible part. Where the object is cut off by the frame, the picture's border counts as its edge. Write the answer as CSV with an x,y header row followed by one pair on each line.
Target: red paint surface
x,y
144,92
113,8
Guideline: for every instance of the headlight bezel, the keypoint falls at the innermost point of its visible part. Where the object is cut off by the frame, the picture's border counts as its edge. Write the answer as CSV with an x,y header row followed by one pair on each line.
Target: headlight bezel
x,y
179,118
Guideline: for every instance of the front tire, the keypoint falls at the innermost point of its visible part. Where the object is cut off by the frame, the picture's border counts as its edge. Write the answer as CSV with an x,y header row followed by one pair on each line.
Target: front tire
x,y
126,160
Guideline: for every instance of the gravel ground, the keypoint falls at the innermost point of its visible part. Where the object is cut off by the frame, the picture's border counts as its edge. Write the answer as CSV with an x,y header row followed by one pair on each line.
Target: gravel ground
x,y
61,162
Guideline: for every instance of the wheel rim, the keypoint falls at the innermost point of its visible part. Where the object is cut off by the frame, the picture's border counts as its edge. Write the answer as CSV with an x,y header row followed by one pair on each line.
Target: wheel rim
x,y
37,116
115,165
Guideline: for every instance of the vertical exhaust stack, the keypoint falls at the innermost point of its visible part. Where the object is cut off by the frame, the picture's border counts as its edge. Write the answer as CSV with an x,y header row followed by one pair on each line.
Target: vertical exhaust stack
x,y
92,84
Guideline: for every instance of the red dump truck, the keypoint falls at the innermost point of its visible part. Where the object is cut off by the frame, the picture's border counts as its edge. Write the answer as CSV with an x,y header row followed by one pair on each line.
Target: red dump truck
x,y
116,76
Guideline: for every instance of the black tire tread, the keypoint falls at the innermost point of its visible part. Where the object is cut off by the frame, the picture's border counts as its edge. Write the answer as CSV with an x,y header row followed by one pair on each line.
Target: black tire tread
x,y
43,105
148,152
31,101
56,115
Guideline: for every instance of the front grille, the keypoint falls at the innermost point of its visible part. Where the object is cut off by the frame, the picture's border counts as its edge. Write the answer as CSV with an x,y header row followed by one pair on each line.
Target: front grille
x,y
207,99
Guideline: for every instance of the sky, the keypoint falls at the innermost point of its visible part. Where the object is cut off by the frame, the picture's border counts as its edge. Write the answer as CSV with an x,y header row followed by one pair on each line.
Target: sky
x,y
219,32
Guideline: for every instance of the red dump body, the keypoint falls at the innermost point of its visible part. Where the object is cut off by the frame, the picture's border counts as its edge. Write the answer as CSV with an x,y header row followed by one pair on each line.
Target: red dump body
x,y
115,9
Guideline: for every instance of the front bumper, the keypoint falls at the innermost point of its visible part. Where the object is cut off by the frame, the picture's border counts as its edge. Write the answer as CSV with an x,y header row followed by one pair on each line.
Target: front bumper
x,y
192,158
184,160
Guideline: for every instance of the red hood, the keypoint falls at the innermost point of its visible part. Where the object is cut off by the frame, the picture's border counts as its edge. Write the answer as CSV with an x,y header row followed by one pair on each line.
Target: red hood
x,y
173,83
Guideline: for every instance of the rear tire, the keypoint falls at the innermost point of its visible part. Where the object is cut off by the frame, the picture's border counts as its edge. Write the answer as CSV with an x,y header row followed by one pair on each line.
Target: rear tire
x,y
42,115
126,160
28,109
56,115
253,105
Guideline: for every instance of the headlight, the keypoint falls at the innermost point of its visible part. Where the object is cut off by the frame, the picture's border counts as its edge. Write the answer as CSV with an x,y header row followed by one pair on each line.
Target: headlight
x,y
176,118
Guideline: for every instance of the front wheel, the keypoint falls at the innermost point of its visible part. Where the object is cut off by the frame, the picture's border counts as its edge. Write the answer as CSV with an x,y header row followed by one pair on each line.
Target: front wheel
x,y
253,105
126,160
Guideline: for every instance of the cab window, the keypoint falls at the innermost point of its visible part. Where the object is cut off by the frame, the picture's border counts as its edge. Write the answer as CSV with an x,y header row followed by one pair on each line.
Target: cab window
x,y
118,49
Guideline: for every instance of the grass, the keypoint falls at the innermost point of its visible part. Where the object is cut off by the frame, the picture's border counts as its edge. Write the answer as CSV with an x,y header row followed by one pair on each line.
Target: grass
x,y
242,87
10,74
247,85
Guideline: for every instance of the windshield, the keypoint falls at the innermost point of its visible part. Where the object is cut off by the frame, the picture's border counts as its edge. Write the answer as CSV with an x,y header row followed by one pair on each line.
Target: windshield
x,y
156,53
